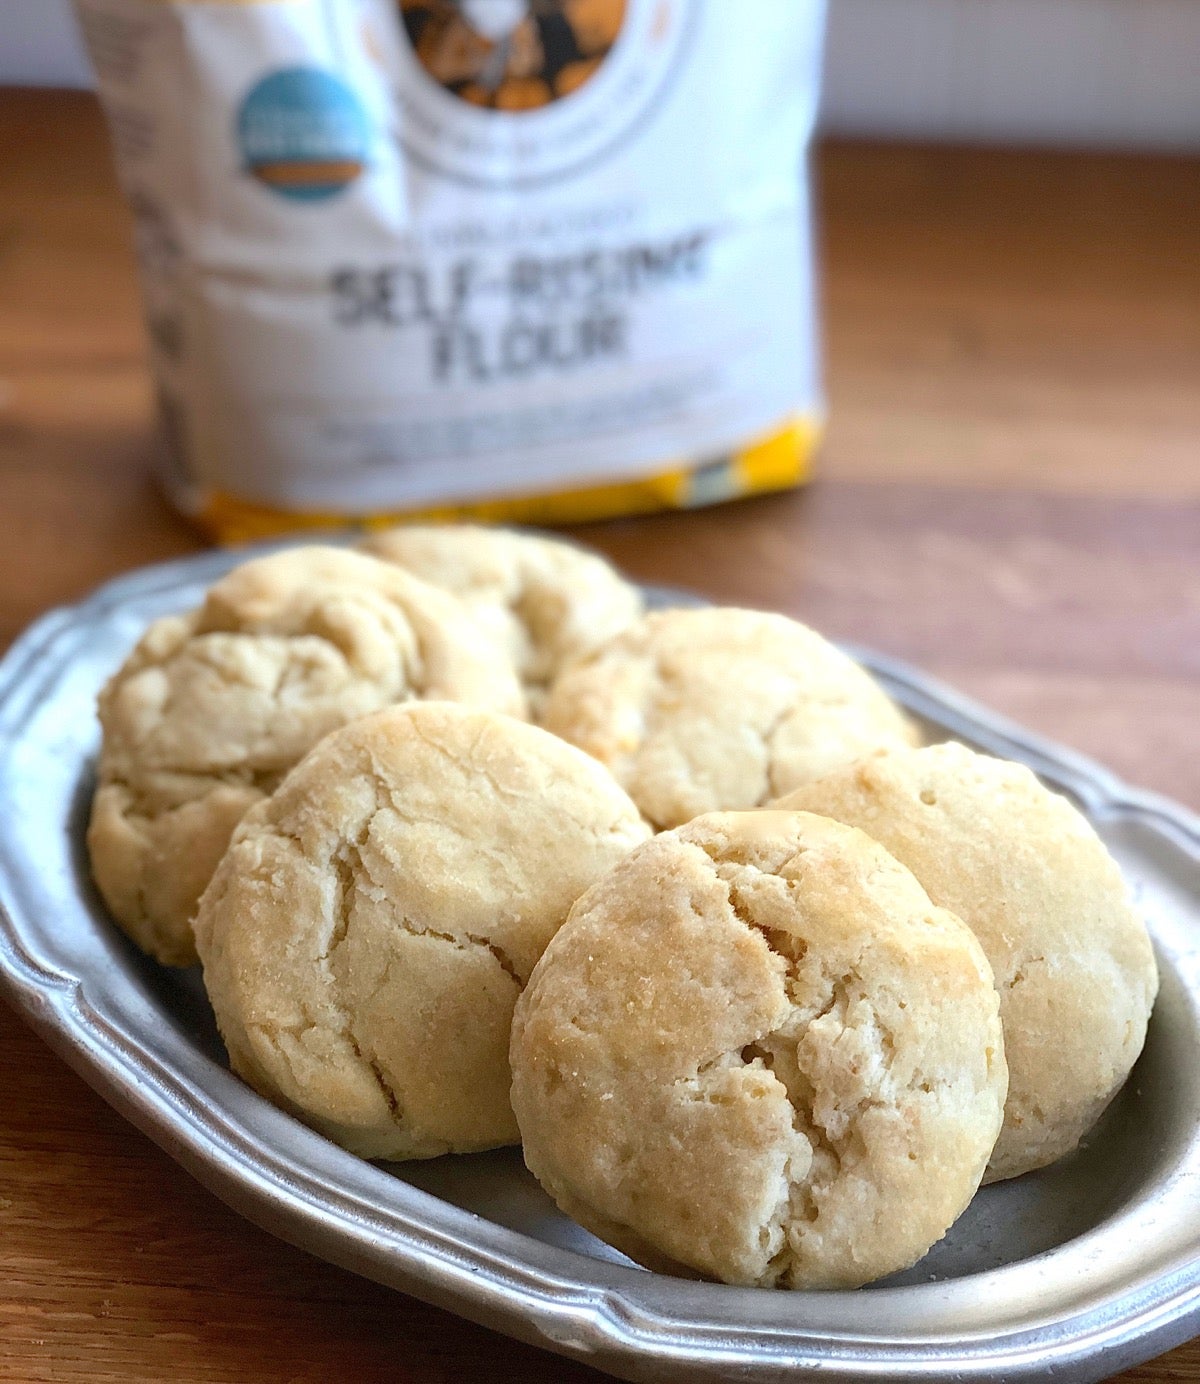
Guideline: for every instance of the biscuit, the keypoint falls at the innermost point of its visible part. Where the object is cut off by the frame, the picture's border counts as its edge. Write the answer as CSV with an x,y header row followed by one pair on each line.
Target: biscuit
x,y
756,1051
369,929
212,708
720,710
546,603
1026,872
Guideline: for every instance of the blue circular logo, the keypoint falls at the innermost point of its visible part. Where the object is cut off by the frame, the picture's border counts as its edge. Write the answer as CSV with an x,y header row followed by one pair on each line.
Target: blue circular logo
x,y
303,133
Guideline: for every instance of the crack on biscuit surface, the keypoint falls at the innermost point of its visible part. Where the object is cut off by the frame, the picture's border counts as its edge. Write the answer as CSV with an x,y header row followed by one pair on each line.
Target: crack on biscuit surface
x,y
347,862
768,735
469,763
466,941
142,789
830,1135
1021,974
385,1086
350,865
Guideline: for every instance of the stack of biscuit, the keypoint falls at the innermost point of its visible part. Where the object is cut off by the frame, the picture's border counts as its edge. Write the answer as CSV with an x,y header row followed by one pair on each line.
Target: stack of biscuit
x,y
473,851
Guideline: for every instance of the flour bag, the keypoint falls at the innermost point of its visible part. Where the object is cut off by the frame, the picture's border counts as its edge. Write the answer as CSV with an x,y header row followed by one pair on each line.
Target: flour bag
x,y
535,260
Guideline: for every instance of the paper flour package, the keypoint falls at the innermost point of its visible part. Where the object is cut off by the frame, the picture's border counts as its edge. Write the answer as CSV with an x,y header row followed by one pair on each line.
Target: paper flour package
x,y
536,260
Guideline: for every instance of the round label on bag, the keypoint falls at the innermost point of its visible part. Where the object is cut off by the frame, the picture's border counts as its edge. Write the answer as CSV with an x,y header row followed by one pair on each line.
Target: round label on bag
x,y
303,133
512,93
512,55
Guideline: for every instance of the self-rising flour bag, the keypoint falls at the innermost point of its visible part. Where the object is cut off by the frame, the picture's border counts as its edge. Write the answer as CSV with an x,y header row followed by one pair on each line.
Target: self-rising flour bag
x,y
526,259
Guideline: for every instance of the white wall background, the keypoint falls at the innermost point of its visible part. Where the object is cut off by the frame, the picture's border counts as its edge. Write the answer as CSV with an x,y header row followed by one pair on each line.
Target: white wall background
x,y
1116,73
1105,72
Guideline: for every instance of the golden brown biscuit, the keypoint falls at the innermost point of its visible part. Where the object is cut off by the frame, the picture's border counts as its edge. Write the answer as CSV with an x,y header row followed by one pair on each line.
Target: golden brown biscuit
x,y
757,1050
368,931
1033,881
720,709
211,709
545,602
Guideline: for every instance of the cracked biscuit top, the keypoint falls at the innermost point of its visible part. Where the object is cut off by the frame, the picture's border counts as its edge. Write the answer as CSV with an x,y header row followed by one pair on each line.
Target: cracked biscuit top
x,y
368,931
720,709
212,708
757,1052
1030,877
545,602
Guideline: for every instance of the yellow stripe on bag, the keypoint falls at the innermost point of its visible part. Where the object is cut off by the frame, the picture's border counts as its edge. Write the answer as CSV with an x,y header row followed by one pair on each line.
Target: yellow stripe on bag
x,y
781,459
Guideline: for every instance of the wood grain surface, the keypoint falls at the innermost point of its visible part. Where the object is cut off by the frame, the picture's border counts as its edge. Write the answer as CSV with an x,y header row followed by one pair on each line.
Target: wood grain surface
x,y
1009,497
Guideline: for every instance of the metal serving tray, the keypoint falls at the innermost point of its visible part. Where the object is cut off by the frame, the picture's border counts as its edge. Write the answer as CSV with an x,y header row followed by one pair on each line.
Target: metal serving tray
x,y
1077,1271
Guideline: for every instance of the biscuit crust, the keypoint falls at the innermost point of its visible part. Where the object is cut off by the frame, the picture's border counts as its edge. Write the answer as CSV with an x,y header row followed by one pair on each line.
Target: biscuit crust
x,y
544,602
757,1052
368,931
1030,877
212,708
720,709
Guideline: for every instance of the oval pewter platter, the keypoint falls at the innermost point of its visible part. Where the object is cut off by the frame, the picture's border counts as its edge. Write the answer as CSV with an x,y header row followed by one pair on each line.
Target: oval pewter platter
x,y
1075,1272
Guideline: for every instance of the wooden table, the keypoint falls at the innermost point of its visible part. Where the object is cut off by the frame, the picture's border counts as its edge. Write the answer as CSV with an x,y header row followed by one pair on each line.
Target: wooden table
x,y
1010,497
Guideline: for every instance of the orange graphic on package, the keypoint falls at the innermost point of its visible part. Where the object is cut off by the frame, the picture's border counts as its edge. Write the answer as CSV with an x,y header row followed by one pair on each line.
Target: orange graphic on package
x,y
512,55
